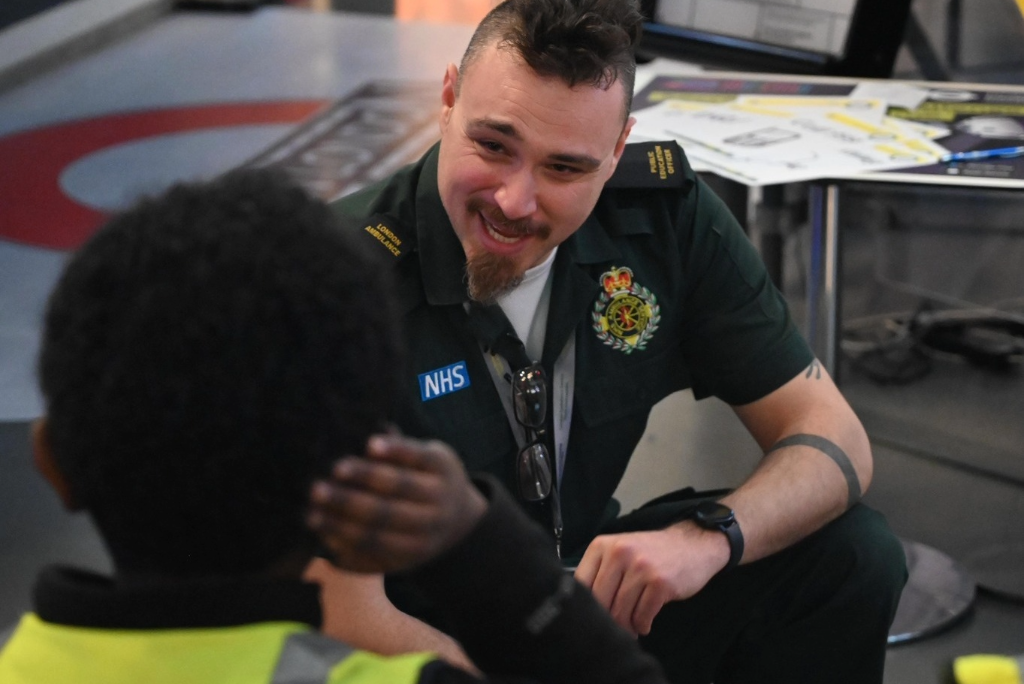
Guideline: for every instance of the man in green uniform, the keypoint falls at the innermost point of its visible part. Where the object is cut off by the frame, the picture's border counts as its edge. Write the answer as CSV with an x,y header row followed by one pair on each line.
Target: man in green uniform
x,y
555,283
202,363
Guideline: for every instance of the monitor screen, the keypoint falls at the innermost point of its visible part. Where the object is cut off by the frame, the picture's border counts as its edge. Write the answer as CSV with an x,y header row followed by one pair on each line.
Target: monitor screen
x,y
813,25
843,37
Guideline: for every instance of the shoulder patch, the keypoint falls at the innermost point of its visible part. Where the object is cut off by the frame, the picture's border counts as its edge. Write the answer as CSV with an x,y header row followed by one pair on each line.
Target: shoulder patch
x,y
658,164
393,237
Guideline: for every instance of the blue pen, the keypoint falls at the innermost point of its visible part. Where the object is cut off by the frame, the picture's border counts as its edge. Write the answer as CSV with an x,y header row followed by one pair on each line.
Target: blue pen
x,y
1001,152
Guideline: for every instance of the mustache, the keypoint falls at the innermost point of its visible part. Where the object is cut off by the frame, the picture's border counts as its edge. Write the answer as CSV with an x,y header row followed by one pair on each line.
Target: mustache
x,y
495,215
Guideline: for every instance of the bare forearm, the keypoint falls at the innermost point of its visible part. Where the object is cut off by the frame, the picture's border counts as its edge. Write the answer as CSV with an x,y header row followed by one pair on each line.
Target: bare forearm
x,y
817,466
810,479
790,496
357,611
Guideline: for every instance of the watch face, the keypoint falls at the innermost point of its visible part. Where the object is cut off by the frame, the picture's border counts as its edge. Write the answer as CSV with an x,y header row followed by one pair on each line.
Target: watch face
x,y
714,514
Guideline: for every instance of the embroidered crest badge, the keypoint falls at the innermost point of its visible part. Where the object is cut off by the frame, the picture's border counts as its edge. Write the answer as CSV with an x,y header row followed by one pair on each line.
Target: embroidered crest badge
x,y
626,313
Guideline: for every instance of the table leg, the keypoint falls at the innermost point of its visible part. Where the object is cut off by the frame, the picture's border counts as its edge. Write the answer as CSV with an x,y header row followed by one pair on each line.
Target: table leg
x,y
939,592
823,299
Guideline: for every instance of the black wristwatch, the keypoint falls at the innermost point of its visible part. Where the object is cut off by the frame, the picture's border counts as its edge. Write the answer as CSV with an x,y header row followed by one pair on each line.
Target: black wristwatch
x,y
712,515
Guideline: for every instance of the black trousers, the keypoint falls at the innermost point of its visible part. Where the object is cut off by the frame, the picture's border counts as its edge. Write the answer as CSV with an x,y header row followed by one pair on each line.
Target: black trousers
x,y
818,612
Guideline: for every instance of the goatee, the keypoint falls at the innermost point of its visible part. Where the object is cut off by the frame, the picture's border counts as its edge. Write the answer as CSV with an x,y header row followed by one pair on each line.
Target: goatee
x,y
489,276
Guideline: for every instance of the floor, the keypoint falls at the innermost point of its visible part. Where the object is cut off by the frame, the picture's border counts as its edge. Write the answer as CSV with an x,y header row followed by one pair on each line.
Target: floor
x,y
77,140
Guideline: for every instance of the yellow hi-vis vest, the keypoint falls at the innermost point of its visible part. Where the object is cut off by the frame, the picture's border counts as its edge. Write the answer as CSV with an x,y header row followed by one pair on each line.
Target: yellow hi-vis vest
x,y
261,653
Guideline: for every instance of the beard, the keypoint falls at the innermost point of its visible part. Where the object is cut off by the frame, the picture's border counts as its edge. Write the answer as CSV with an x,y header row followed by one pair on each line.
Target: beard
x,y
488,275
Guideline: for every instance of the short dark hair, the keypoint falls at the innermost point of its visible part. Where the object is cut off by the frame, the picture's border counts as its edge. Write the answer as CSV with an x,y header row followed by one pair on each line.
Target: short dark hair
x,y
590,42
206,355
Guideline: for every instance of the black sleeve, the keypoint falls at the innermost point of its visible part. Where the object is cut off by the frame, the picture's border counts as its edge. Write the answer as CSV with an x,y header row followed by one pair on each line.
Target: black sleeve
x,y
519,614
440,672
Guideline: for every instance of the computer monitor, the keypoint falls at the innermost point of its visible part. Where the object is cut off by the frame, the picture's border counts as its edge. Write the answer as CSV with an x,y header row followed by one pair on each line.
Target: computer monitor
x,y
835,37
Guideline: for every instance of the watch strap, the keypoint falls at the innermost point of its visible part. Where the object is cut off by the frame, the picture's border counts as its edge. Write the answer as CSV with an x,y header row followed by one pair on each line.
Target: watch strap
x,y
713,515
735,537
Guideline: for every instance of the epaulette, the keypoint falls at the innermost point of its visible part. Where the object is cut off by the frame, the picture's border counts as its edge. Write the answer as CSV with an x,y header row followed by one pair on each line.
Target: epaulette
x,y
396,239
658,164
391,241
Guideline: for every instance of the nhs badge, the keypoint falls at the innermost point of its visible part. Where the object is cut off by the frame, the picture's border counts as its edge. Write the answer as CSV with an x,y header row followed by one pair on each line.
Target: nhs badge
x,y
443,381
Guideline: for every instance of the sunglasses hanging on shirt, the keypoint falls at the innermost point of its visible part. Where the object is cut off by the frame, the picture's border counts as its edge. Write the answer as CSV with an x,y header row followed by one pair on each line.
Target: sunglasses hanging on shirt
x,y
535,470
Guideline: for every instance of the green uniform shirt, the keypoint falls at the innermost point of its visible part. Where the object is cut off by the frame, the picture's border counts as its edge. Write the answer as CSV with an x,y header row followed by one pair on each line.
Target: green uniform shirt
x,y
695,309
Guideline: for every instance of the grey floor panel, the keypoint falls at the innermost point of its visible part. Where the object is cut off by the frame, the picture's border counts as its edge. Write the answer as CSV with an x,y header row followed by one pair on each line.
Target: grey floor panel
x,y
993,626
949,448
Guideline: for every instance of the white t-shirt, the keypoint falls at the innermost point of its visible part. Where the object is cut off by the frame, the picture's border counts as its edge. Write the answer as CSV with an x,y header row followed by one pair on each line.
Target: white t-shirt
x,y
526,307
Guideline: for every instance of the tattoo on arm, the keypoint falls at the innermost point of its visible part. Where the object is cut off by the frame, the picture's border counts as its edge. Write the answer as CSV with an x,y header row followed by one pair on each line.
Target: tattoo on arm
x,y
814,369
831,450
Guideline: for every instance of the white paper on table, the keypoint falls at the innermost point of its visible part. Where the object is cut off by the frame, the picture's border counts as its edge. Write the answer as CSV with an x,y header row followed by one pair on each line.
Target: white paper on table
x,y
897,94
760,145
650,121
837,162
648,128
932,131
756,146
891,133
869,109
918,136
751,133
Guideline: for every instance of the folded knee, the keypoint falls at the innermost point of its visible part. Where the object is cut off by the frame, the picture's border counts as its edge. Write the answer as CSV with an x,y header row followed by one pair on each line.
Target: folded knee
x,y
872,554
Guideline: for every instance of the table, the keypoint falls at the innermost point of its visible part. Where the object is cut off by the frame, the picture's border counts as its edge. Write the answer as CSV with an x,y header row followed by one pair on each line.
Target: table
x,y
940,590
966,108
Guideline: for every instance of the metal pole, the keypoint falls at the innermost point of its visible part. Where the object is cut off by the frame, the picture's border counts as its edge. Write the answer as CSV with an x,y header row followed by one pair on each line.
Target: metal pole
x,y
830,250
823,279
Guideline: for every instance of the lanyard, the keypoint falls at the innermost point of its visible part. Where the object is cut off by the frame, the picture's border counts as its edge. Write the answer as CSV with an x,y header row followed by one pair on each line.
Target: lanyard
x,y
494,332
562,391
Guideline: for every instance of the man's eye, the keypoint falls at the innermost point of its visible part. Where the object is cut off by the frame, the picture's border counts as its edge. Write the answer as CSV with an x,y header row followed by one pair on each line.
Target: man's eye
x,y
564,170
490,145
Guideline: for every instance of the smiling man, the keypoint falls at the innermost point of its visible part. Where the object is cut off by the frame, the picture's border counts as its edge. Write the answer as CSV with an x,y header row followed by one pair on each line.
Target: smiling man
x,y
555,284
523,161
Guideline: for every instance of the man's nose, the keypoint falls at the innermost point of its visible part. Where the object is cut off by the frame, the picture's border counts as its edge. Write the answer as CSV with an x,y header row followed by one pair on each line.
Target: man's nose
x,y
517,196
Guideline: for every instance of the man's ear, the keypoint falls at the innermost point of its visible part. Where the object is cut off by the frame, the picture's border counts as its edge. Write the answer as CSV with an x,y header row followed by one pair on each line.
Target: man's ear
x,y
42,457
620,146
451,80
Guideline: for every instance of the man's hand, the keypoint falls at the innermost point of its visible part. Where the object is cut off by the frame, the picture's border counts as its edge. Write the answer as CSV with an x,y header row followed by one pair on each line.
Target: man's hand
x,y
403,504
634,574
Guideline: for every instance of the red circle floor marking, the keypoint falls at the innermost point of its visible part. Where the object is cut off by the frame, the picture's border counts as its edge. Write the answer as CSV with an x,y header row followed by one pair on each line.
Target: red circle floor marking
x,y
33,208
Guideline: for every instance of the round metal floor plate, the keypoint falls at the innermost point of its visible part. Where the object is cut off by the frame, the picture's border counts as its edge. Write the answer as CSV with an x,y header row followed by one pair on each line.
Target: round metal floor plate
x,y
938,593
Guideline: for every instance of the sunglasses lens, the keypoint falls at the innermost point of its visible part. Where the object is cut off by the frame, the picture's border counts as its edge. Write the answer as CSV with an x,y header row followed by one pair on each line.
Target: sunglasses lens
x,y
534,473
530,397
